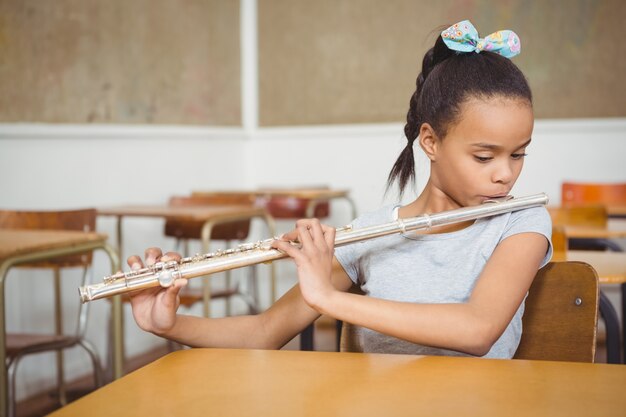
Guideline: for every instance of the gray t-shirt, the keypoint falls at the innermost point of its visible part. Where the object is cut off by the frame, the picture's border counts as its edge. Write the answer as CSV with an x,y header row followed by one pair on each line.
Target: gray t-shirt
x,y
435,268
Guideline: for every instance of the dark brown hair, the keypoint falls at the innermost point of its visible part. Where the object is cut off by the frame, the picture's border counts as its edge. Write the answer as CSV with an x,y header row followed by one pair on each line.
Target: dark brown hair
x,y
447,80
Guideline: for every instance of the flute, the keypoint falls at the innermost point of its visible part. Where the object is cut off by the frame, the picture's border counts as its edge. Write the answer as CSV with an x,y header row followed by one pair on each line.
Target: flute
x,y
165,273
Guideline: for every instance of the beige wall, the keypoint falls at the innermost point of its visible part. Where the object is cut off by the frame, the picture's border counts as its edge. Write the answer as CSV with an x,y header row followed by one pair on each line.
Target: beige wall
x,y
346,61
119,61
320,62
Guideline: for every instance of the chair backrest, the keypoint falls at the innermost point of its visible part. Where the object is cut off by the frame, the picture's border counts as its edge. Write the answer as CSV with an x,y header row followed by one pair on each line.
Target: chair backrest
x,y
290,207
559,322
237,230
599,193
80,220
561,314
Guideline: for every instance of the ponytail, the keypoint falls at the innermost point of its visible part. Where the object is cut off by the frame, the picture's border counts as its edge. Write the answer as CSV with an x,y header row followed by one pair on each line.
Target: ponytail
x,y
403,169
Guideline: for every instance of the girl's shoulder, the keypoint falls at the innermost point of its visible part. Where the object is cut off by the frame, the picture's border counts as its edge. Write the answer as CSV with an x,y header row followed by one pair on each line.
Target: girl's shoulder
x,y
535,217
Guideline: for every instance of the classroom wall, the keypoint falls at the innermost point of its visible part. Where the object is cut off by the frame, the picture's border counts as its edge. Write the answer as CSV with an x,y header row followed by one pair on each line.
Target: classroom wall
x,y
130,106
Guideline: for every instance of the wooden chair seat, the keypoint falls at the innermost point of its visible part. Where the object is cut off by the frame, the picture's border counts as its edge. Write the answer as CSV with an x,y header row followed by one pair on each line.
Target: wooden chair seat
x,y
32,343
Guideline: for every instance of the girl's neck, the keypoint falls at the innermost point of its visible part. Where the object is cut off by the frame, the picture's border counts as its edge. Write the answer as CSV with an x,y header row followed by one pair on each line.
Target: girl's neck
x,y
432,200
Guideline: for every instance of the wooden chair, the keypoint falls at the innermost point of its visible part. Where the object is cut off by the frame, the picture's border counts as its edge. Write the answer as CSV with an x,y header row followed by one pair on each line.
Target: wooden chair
x,y
577,193
184,231
560,317
561,314
22,344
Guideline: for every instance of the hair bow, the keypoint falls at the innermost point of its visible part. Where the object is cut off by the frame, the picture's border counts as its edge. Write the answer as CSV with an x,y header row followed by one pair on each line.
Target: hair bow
x,y
463,37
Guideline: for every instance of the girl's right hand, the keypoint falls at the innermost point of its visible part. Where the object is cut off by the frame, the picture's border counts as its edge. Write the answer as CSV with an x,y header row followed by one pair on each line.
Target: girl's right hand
x,y
154,309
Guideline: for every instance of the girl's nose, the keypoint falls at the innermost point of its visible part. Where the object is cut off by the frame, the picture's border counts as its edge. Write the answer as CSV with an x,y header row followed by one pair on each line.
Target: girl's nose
x,y
503,173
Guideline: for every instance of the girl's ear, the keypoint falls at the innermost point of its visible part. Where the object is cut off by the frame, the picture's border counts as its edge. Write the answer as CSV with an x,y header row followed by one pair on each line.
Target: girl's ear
x,y
428,141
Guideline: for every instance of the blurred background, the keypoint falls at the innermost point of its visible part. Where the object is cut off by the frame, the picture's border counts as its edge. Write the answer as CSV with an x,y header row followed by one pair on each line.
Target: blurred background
x,y
131,102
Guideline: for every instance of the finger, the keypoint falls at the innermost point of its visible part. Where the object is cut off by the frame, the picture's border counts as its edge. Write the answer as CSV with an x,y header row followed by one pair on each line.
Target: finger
x,y
304,233
134,261
329,236
170,295
171,256
288,248
152,255
291,235
317,231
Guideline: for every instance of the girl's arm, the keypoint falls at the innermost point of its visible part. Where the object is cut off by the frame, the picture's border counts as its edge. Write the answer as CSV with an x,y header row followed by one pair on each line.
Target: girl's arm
x,y
471,327
154,310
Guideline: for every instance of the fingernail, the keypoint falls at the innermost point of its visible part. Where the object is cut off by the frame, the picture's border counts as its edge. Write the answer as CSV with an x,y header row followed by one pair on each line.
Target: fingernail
x,y
135,266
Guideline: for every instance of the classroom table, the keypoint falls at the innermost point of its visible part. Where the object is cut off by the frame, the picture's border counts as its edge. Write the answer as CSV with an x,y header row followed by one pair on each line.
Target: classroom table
x,y
210,215
616,211
313,196
24,246
239,382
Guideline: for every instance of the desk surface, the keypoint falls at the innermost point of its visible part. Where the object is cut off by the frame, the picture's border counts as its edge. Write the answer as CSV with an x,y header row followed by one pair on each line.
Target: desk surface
x,y
615,230
610,266
217,382
183,212
616,211
17,242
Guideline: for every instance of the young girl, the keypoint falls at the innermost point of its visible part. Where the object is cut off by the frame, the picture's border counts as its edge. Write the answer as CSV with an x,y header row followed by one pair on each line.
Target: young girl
x,y
454,290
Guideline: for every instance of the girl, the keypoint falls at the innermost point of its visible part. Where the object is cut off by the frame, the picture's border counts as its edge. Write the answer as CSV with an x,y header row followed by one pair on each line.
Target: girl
x,y
454,290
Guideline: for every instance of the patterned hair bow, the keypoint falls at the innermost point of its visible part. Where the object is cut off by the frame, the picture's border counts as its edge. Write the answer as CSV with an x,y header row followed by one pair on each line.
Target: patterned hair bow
x,y
463,37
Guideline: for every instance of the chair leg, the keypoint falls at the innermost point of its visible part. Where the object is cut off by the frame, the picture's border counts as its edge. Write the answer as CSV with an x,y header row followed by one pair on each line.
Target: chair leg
x,y
306,338
98,373
608,313
338,327
11,373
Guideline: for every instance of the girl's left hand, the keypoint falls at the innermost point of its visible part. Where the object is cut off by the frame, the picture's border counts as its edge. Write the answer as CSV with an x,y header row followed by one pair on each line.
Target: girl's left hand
x,y
313,259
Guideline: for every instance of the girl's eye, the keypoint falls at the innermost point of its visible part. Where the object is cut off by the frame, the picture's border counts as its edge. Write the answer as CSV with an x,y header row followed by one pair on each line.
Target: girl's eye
x,y
518,155
483,158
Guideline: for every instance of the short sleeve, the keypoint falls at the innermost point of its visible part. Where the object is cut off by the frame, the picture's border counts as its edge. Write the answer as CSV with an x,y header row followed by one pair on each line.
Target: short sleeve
x,y
534,220
348,257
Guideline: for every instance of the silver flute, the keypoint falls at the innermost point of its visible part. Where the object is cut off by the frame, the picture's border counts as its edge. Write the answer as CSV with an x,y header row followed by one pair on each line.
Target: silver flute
x,y
165,273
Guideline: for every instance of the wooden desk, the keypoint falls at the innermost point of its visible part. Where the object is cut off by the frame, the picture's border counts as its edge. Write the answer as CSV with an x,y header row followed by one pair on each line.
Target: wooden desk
x,y
216,382
24,246
616,211
210,215
610,266
313,195
615,230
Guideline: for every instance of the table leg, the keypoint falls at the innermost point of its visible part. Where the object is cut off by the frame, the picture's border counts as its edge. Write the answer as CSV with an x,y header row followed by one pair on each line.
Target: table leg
x,y
4,386
58,325
207,228
623,287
